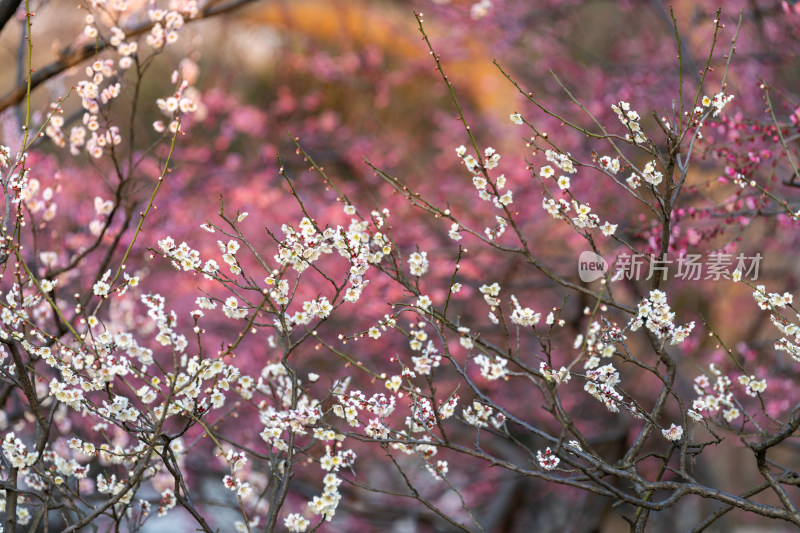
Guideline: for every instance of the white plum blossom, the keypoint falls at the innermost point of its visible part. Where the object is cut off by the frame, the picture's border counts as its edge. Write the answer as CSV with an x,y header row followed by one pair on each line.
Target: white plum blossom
x,y
608,229
609,164
295,523
630,118
651,175
523,316
561,376
480,9
492,369
454,234
418,263
719,102
547,459
673,433
601,384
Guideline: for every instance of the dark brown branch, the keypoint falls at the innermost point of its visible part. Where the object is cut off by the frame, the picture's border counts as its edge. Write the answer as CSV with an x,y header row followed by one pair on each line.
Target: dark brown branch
x,y
7,10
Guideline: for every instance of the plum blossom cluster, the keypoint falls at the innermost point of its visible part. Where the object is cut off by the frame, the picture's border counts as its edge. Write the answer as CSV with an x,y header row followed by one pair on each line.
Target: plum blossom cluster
x,y
610,164
584,218
101,84
296,523
491,159
281,417
182,102
299,249
630,119
422,419
229,250
481,416
312,309
562,375
492,368
418,263
563,181
232,309
423,414
714,396
598,343
649,174
103,209
427,360
558,209
488,190
601,383
718,102
464,338
752,386
490,294
495,232
771,300
523,316
438,470
654,314
184,256
168,23
94,97
547,459
418,336
790,342
16,453
241,488
564,161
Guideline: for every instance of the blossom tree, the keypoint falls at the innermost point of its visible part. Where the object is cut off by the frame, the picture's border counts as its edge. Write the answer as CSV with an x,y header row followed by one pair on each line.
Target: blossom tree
x,y
350,343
